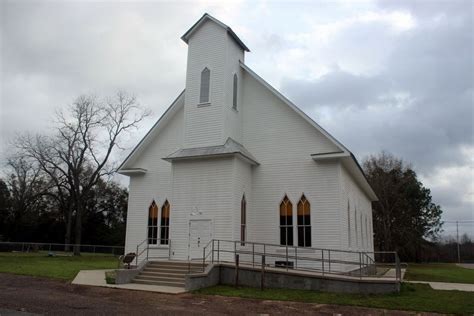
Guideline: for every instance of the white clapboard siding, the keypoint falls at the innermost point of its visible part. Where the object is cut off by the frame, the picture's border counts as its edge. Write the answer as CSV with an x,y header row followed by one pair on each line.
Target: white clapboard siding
x,y
204,187
358,200
282,142
211,47
156,183
279,138
233,117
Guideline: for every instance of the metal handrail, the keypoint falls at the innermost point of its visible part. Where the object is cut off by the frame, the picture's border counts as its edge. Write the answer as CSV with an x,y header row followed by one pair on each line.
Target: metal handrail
x,y
363,263
305,248
147,249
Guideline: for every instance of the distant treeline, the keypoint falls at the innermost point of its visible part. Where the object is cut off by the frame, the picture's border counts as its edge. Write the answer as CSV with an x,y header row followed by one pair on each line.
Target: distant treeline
x,y
30,212
447,250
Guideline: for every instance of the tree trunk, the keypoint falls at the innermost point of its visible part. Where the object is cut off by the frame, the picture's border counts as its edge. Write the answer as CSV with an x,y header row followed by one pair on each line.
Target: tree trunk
x,y
78,229
67,237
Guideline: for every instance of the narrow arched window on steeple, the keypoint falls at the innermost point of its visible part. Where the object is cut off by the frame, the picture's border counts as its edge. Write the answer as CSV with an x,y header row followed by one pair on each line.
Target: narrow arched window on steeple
x,y
205,85
234,94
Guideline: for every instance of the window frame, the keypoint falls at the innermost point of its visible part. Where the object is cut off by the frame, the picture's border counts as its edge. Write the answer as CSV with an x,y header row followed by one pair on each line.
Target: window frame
x,y
208,101
165,223
243,220
356,229
305,224
235,89
153,239
349,230
286,225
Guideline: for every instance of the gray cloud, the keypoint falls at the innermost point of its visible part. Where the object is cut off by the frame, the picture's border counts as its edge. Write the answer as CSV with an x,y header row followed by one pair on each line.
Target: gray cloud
x,y
418,106
406,90
421,104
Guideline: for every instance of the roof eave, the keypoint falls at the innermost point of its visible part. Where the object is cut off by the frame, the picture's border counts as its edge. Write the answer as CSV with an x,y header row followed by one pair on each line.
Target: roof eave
x,y
330,155
132,171
211,156
351,163
196,25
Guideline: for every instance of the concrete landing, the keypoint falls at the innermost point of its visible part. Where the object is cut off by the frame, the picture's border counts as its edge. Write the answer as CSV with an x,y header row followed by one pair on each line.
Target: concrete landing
x,y
391,273
97,278
447,286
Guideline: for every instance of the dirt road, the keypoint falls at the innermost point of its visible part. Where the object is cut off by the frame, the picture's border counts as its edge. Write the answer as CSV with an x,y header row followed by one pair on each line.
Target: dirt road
x,y
51,297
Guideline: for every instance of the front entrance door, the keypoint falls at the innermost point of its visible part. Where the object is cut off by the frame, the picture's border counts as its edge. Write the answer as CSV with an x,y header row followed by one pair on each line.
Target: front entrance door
x,y
199,236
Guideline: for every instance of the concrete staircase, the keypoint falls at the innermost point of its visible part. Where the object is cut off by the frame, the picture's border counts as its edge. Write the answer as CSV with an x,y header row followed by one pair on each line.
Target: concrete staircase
x,y
166,273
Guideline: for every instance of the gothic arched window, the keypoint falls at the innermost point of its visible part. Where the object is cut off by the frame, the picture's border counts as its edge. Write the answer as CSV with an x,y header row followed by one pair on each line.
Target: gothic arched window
x,y
243,220
234,94
286,222
304,222
165,223
153,223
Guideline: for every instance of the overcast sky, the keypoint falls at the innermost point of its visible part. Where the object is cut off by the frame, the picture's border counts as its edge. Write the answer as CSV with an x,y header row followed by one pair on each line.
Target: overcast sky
x,y
378,75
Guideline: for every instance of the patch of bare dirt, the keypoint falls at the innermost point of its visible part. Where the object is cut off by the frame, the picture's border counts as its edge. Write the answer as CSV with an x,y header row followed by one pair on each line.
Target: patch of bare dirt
x,y
52,297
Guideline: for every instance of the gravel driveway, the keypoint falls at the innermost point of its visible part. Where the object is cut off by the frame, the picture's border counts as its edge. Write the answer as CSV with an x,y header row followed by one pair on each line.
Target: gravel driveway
x,y
52,297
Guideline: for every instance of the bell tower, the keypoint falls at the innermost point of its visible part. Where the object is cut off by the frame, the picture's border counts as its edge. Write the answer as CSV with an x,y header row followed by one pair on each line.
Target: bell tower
x,y
213,76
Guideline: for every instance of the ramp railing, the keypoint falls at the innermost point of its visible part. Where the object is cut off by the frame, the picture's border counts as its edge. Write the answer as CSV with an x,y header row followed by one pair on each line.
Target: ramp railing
x,y
361,264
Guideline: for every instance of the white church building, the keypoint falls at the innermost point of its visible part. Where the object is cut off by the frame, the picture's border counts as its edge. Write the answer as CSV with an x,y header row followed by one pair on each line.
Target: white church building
x,y
233,159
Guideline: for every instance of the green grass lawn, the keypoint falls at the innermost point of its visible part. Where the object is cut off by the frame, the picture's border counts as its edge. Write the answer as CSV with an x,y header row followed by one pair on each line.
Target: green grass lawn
x,y
414,297
439,272
58,267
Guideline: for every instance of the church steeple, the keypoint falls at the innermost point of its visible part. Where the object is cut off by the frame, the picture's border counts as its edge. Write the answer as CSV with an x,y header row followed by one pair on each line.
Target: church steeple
x,y
213,71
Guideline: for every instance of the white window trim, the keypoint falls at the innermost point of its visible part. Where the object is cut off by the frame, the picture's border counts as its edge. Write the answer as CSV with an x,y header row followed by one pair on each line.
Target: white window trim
x,y
208,103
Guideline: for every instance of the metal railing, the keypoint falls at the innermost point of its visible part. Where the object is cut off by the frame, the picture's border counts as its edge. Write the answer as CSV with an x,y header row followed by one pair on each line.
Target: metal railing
x,y
143,251
360,264
19,246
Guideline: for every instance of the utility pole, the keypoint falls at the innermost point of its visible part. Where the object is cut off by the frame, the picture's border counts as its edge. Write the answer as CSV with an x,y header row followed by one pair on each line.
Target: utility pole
x,y
457,238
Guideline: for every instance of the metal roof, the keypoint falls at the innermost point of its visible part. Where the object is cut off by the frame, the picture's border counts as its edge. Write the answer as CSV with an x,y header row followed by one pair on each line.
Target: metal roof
x,y
230,147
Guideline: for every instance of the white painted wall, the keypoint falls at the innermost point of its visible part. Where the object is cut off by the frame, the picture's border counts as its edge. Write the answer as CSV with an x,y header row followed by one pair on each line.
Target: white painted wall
x,y
156,183
204,186
282,141
360,203
360,206
206,125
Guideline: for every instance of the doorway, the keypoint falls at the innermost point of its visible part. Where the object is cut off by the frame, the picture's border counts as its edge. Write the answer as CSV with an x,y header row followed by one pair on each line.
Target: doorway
x,y
200,234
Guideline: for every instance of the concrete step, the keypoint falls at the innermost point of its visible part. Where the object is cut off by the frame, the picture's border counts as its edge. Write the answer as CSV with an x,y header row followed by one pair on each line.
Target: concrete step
x,y
153,273
162,283
173,264
167,270
159,278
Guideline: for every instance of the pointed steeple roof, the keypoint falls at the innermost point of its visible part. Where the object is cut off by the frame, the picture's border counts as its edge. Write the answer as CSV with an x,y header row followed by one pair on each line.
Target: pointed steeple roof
x,y
207,17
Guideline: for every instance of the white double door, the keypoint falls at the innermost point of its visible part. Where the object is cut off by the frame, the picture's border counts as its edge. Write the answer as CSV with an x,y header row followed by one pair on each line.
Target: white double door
x,y
200,234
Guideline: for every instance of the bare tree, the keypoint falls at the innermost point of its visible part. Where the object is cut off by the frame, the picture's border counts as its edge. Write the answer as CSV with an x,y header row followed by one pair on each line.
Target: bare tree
x,y
79,153
27,187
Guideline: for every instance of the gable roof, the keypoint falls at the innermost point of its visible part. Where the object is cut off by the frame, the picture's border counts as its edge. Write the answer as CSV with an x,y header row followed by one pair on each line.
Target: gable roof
x,y
207,17
230,147
347,157
170,111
